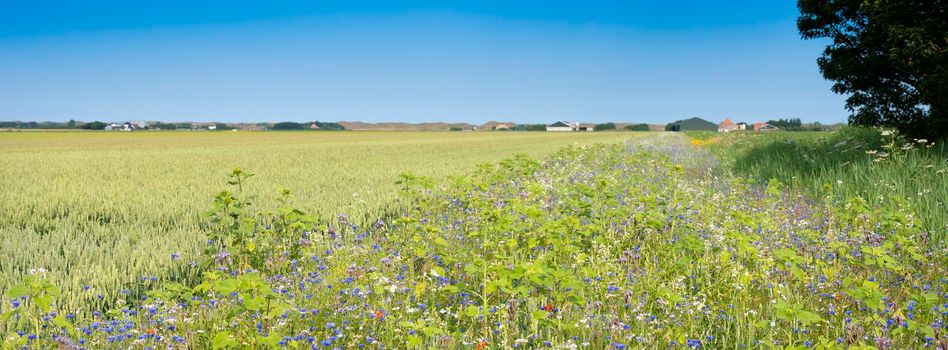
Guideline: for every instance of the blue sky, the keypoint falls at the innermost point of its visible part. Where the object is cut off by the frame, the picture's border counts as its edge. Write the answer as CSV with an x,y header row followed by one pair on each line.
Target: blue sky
x,y
414,61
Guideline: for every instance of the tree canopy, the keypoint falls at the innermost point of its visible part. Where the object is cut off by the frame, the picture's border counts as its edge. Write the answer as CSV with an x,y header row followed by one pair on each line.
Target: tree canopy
x,y
604,127
889,56
637,127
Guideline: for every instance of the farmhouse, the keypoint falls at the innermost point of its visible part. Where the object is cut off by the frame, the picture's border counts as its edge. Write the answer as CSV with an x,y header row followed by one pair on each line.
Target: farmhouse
x,y
691,124
560,126
728,125
585,127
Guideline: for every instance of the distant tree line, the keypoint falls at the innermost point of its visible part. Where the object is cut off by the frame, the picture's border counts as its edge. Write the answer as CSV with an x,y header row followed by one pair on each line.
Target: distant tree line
x,y
794,124
72,124
604,127
176,126
637,127
307,126
528,127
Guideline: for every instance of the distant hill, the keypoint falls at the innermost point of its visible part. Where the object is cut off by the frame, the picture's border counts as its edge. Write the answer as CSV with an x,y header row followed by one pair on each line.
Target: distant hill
x,y
405,126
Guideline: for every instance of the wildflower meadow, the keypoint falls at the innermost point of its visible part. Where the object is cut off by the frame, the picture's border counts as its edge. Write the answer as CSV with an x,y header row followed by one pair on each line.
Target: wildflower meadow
x,y
657,242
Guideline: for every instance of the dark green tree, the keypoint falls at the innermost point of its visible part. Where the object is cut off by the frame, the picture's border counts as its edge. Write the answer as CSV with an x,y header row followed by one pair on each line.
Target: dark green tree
x,y
96,125
889,56
604,126
289,126
637,127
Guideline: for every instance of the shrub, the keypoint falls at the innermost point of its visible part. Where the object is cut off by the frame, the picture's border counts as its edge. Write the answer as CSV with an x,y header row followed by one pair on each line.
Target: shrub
x,y
637,127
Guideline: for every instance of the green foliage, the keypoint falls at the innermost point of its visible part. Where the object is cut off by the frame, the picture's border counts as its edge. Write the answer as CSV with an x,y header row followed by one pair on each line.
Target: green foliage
x,y
96,125
165,126
306,126
637,127
890,57
289,126
529,127
604,127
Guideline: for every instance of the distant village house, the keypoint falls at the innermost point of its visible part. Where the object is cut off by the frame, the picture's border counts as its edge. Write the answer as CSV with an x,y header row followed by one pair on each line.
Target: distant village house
x,y
560,126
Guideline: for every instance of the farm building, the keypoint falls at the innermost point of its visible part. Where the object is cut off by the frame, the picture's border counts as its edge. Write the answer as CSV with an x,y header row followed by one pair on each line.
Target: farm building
x,y
761,126
560,126
728,125
585,127
691,124
126,126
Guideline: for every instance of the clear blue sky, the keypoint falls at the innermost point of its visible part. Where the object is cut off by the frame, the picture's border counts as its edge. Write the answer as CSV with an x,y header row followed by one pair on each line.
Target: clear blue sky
x,y
414,61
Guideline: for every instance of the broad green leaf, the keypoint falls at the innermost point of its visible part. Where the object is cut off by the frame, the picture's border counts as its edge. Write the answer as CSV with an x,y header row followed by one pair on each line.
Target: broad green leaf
x,y
18,291
44,302
223,340
808,317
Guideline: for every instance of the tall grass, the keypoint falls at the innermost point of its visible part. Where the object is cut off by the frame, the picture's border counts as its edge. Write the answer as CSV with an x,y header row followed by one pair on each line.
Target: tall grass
x,y
889,173
106,211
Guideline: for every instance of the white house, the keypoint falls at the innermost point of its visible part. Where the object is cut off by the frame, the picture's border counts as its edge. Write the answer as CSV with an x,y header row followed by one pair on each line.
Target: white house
x,y
560,126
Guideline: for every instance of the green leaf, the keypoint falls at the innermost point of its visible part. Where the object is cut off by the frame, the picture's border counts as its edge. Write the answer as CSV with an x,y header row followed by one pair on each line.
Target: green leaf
x,y
272,340
61,321
414,341
223,340
254,303
51,289
44,302
420,288
6,315
808,317
226,286
538,315
18,291
472,311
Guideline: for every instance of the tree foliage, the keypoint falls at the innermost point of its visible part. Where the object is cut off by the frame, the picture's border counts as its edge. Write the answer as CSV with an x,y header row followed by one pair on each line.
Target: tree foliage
x,y
96,125
307,126
637,127
529,127
604,126
889,56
